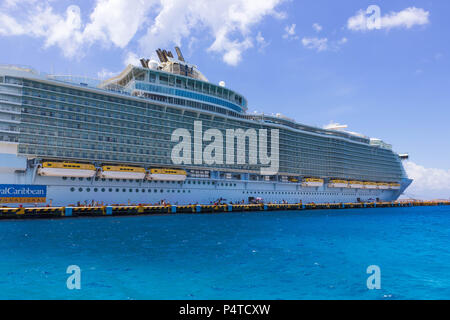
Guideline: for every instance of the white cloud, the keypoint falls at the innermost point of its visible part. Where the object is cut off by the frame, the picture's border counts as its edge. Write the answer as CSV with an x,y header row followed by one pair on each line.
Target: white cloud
x,y
317,27
428,183
132,58
315,43
344,40
229,22
290,33
117,22
106,74
406,18
261,42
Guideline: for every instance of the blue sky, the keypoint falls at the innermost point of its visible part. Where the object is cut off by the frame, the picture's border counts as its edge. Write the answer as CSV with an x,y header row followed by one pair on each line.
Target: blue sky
x,y
314,61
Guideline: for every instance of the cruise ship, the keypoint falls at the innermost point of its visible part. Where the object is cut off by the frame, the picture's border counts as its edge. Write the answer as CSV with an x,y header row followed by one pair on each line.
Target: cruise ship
x,y
161,132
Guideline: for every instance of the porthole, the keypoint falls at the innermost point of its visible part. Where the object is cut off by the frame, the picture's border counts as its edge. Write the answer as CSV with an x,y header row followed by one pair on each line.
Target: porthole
x,y
72,189
95,189
80,178
88,189
80,189
162,190
110,189
137,190
64,178
103,189
143,190
131,190
72,178
124,190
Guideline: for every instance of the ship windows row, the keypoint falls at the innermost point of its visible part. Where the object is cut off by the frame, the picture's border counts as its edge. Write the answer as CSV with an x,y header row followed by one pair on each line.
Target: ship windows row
x,y
222,184
130,190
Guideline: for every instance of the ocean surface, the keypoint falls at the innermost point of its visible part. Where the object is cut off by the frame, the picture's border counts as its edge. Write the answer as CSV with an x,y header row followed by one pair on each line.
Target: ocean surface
x,y
320,254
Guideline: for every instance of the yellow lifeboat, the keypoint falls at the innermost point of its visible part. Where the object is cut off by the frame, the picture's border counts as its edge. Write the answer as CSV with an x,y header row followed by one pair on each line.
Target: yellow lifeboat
x,y
66,169
338,183
383,185
312,182
292,179
394,186
122,172
356,184
167,175
370,185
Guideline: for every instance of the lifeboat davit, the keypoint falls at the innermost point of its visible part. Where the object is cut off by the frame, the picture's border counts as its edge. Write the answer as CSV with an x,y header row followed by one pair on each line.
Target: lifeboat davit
x,y
67,169
356,184
394,186
338,184
370,185
167,175
122,172
383,186
312,182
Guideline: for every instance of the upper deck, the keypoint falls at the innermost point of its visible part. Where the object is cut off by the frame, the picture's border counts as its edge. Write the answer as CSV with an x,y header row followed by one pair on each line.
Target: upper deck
x,y
139,81
176,78
151,84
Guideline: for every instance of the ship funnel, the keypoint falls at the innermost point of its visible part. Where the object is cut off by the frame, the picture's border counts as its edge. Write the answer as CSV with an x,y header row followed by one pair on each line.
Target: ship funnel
x,y
144,62
179,54
162,57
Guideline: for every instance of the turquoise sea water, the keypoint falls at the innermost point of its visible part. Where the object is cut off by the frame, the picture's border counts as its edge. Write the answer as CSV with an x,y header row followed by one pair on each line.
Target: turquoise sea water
x,y
263,255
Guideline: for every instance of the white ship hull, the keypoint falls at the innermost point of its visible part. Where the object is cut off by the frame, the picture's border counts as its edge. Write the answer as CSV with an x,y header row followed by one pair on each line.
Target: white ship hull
x,y
63,192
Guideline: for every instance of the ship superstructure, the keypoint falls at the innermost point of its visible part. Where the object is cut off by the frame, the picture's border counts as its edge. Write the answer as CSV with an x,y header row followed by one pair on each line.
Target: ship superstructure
x,y
112,143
